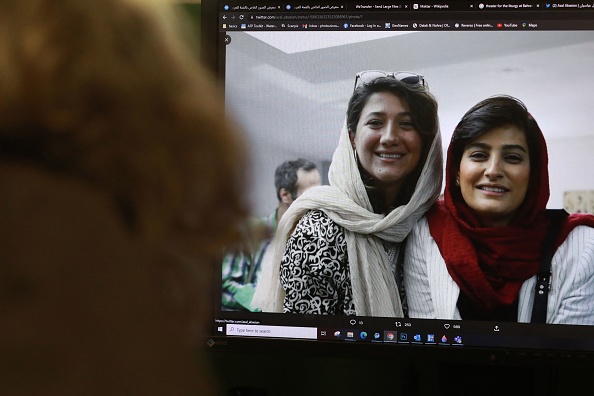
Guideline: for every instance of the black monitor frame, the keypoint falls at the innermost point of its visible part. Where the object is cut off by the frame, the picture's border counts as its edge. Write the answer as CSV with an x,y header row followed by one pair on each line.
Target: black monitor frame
x,y
540,354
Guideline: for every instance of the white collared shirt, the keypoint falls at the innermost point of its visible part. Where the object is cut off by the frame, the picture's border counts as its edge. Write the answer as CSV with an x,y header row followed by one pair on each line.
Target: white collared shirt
x,y
432,293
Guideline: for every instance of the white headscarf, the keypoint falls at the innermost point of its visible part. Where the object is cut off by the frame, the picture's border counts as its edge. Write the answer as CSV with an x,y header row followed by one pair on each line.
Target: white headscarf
x,y
346,202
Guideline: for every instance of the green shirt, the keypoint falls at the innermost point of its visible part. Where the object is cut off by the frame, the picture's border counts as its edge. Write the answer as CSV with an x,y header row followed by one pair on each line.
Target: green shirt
x,y
241,269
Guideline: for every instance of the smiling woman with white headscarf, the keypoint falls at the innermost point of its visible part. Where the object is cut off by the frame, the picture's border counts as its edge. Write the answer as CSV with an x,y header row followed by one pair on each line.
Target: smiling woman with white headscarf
x,y
336,248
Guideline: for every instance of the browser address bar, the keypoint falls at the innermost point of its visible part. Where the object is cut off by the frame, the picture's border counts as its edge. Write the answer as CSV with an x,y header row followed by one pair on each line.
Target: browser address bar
x,y
279,17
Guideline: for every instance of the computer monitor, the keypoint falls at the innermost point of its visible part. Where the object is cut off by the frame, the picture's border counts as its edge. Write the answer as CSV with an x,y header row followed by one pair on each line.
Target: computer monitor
x,y
288,71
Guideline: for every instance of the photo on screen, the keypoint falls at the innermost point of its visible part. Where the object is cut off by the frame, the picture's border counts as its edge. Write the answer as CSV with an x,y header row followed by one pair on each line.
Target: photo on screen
x,y
289,91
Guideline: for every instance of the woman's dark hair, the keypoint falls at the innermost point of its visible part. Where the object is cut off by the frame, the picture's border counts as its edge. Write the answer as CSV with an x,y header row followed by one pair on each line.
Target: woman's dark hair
x,y
494,112
423,107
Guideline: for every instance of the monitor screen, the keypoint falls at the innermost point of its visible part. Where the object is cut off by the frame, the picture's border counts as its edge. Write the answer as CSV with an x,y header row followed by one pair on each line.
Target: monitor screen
x,y
289,70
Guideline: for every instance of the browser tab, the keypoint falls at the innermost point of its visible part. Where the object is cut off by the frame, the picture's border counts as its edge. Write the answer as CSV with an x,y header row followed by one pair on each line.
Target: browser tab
x,y
506,6
430,6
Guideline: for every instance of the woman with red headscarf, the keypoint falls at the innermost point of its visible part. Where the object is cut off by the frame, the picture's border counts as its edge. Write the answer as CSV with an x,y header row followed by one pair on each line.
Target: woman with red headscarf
x,y
484,252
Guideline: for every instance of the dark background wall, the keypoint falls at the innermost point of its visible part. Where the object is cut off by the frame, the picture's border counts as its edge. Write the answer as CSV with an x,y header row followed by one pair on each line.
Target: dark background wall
x,y
282,373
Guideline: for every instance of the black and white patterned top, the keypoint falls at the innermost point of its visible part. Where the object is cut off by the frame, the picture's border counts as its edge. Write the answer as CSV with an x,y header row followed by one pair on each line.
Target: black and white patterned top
x,y
314,270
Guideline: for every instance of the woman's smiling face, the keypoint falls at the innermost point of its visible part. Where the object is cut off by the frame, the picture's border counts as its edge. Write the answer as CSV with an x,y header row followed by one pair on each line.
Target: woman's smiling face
x,y
386,141
494,174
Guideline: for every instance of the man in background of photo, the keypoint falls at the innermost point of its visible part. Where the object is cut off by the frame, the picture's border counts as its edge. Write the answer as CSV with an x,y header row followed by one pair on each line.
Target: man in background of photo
x,y
241,266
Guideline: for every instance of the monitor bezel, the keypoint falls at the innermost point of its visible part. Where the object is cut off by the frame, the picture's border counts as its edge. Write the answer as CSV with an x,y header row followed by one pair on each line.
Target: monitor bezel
x,y
492,355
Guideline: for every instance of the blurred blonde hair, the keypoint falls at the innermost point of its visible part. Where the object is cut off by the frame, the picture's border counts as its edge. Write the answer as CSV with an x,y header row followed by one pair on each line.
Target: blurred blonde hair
x,y
111,93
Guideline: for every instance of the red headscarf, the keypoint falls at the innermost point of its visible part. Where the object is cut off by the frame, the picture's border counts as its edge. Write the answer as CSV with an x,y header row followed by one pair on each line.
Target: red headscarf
x,y
491,264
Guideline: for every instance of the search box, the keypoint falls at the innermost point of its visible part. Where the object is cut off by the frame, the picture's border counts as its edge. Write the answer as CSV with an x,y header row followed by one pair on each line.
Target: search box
x,y
272,331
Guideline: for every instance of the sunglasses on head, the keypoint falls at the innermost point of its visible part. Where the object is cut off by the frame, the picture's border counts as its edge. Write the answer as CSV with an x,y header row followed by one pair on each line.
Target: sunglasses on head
x,y
367,76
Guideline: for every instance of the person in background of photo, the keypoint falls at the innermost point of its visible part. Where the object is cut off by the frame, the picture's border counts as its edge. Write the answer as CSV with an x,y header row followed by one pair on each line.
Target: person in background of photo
x,y
336,248
122,180
241,268
479,252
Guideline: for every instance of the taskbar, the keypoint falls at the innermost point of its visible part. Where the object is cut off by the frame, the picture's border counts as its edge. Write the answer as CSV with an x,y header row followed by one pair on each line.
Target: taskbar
x,y
391,331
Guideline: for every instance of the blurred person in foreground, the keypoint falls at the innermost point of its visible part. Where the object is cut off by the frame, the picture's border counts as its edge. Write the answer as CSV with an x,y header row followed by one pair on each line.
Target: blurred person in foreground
x,y
120,181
